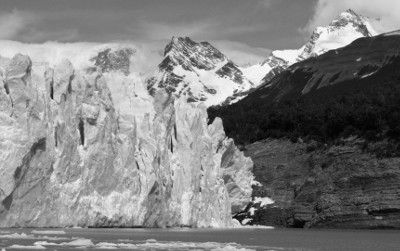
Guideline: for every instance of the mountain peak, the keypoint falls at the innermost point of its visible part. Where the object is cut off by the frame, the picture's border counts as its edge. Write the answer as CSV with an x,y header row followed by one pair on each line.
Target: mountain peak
x,y
347,27
187,53
351,17
351,12
344,29
200,72
178,42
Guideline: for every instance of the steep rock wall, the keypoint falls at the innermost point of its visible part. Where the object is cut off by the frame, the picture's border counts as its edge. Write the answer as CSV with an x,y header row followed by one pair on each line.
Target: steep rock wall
x,y
338,186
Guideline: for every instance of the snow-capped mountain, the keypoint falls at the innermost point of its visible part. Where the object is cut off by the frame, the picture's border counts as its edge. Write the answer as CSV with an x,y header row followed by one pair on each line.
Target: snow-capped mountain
x,y
364,62
346,28
199,71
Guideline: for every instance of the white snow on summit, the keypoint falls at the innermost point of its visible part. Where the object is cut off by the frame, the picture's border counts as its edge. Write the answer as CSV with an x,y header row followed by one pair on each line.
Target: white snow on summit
x,y
346,28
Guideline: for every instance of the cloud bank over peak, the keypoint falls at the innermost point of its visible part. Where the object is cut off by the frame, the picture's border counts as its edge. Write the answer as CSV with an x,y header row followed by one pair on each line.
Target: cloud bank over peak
x,y
27,26
14,22
383,14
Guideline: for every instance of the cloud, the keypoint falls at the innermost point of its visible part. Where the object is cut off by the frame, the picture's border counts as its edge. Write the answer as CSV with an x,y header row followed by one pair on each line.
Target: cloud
x,y
35,35
385,10
201,29
210,30
240,53
28,27
158,31
266,3
14,22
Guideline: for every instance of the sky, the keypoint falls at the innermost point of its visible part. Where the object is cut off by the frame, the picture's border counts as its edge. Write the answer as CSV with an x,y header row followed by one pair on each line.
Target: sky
x,y
240,28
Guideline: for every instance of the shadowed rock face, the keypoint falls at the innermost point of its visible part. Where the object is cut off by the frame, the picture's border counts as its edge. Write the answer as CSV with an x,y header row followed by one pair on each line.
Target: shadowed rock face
x,y
328,187
94,149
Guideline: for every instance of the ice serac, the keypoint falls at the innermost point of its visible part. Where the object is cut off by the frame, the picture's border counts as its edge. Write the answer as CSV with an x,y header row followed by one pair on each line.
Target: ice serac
x,y
347,27
199,71
90,147
236,169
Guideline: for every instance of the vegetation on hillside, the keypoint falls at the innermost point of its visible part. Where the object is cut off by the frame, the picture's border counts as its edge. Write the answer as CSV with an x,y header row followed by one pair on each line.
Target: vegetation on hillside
x,y
371,112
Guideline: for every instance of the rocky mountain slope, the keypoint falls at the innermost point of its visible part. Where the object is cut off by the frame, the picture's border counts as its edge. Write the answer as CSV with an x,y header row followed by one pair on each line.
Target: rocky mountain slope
x,y
199,72
88,146
346,28
365,61
340,82
325,139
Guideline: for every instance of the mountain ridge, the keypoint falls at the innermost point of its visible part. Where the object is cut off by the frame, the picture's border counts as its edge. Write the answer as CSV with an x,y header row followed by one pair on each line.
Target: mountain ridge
x,y
347,27
199,71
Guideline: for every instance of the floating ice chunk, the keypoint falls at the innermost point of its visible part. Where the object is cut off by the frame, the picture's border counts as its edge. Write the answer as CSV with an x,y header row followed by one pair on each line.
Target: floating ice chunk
x,y
359,59
45,243
17,236
32,237
75,243
55,238
47,232
127,245
171,245
230,248
79,242
106,245
26,247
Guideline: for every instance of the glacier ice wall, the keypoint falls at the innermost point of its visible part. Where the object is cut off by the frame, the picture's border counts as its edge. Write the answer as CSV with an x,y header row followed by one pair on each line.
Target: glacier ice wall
x,y
86,148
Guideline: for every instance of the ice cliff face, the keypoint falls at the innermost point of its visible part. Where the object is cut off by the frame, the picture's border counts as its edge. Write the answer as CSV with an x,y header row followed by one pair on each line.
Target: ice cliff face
x,y
347,27
200,72
90,147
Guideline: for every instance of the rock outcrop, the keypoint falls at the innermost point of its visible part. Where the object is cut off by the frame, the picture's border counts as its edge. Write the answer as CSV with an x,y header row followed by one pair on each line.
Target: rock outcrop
x,y
81,147
339,186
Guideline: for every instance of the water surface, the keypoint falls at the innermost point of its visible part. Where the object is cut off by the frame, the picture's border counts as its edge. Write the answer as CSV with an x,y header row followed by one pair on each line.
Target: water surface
x,y
199,239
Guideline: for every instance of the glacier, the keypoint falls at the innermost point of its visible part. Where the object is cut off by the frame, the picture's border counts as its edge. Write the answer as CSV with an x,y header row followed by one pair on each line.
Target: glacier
x,y
86,145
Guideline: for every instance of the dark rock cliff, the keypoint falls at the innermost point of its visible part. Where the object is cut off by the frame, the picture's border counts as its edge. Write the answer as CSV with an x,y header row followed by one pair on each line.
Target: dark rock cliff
x,y
315,185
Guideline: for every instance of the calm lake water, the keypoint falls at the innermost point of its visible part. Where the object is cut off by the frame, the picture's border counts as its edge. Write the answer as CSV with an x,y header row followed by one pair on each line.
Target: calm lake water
x,y
198,239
